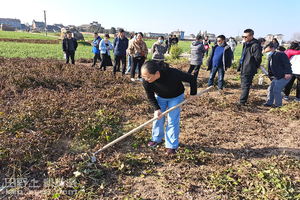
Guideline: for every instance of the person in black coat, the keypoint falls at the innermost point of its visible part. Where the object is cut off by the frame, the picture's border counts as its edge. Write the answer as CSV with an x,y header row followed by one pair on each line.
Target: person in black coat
x,y
69,46
249,63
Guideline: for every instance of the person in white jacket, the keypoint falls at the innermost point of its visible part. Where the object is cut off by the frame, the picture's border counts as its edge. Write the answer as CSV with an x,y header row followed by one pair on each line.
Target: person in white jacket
x,y
105,47
232,43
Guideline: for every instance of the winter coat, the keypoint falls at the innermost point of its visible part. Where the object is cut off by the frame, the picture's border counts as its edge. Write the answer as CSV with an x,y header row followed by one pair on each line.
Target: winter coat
x,y
158,50
120,46
103,48
252,58
280,65
226,57
135,47
169,42
197,51
65,44
96,43
291,52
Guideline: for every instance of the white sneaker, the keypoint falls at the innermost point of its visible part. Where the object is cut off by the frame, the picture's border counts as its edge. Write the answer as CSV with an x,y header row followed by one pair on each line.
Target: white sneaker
x,y
140,79
132,79
285,98
297,99
127,73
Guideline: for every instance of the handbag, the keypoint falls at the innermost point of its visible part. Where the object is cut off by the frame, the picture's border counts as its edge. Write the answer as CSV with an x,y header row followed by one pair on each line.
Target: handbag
x,y
137,55
206,47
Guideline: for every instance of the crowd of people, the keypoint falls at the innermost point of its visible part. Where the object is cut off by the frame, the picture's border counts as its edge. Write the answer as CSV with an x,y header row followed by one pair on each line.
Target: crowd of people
x,y
163,85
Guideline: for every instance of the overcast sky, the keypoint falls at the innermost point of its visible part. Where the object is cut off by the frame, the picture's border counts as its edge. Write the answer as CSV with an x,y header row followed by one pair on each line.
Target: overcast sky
x,y
228,17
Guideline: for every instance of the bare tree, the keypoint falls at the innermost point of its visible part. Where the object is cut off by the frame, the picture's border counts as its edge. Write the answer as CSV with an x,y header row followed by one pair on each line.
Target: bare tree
x,y
296,36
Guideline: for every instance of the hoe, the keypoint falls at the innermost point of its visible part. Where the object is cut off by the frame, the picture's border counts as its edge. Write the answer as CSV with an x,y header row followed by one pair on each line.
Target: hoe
x,y
146,123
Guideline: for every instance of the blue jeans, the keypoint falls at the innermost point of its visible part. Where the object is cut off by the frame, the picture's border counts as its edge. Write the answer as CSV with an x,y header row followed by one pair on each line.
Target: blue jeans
x,y
129,65
172,129
275,91
212,75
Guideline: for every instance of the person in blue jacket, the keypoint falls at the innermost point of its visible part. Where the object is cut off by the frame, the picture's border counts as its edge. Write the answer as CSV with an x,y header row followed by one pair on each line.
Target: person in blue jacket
x,y
95,49
105,47
120,45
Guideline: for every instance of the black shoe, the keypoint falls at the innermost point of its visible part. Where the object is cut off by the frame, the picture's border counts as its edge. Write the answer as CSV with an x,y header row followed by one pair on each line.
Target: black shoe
x,y
118,70
92,66
267,105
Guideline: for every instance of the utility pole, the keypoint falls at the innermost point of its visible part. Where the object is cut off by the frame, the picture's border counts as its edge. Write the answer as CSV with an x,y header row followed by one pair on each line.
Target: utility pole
x,y
45,21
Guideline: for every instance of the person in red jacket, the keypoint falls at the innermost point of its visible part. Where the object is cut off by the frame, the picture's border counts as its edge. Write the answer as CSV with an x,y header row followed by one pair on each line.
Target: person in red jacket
x,y
292,51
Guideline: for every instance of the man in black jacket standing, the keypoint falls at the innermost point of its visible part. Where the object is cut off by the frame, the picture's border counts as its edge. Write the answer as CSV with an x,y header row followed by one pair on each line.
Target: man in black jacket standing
x,y
69,46
249,63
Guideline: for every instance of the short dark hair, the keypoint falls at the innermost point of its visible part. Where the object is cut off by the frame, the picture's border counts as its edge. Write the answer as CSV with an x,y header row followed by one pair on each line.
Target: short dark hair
x,y
170,35
140,34
294,45
106,35
250,31
281,48
162,37
68,32
261,40
96,33
198,37
222,37
135,34
271,45
121,30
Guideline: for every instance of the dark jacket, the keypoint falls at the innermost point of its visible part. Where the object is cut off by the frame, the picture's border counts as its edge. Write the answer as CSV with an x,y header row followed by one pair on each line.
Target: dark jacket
x,y
158,50
252,58
226,58
65,44
169,85
280,65
96,43
169,42
120,46
197,51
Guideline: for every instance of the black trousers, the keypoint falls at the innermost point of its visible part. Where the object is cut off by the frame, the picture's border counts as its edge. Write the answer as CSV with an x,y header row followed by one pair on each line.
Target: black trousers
x,y
68,54
289,85
196,72
96,57
135,62
246,81
116,66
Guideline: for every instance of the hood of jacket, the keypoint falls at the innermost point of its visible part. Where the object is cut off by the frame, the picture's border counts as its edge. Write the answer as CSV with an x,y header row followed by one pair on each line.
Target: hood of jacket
x,y
158,43
195,43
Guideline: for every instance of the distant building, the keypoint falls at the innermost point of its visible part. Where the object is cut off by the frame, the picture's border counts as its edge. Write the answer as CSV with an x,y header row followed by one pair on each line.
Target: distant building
x,y
53,28
12,22
87,26
270,37
38,25
149,34
179,34
191,36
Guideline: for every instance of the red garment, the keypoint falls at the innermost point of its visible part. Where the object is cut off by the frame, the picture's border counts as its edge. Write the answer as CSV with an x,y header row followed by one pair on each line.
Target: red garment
x,y
141,48
291,52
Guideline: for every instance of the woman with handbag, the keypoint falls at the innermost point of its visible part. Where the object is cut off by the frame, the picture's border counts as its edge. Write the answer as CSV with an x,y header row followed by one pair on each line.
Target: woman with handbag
x,y
105,46
206,45
138,51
